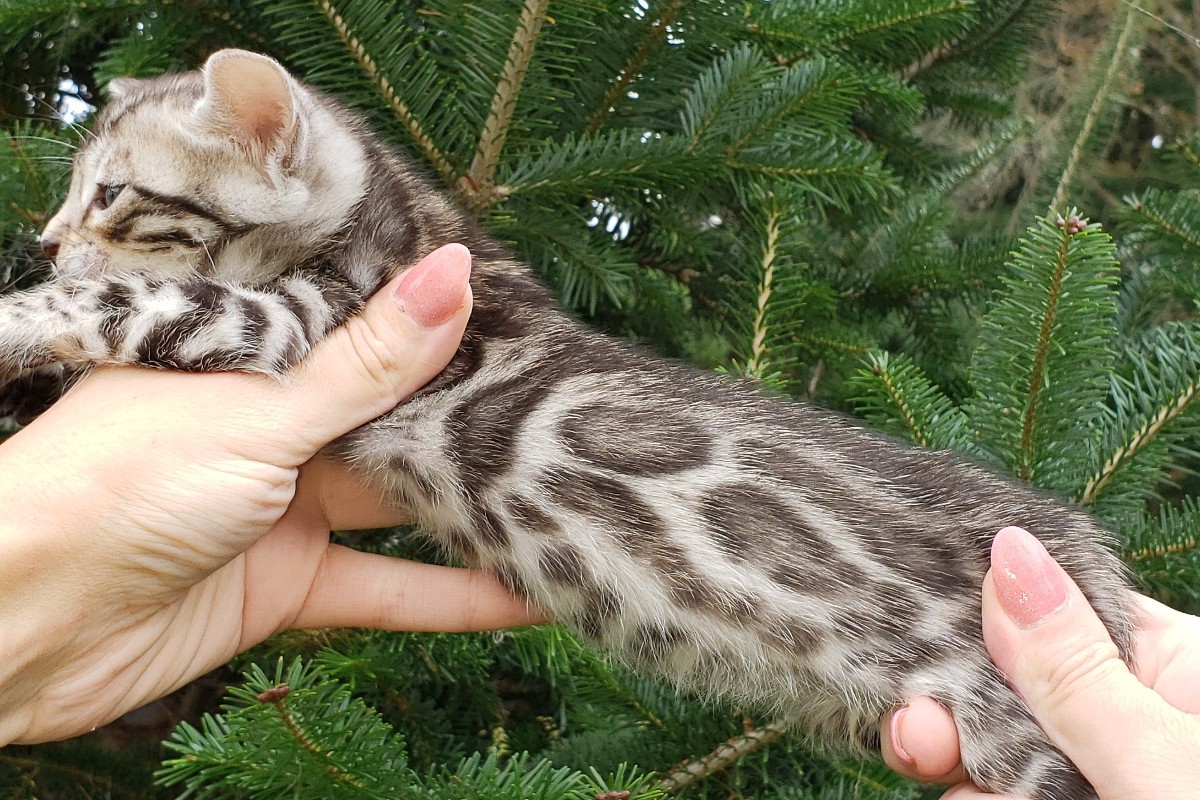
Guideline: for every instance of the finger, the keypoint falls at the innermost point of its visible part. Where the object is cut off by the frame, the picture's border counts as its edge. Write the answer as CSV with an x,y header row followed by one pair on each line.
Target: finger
x,y
1042,633
354,589
1168,650
346,502
920,741
969,791
403,338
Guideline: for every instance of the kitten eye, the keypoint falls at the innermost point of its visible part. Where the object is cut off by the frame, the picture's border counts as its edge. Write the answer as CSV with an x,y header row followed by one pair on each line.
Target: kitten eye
x,y
106,195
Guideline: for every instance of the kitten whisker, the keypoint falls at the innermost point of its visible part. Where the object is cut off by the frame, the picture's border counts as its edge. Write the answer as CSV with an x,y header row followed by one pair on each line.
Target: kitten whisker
x,y
208,255
66,144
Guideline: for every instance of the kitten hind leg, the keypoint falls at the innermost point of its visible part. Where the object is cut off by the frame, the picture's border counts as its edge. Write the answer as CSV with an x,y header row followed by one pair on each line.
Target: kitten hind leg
x,y
1004,750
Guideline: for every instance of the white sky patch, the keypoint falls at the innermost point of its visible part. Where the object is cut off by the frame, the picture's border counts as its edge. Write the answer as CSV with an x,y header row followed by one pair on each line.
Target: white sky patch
x,y
72,108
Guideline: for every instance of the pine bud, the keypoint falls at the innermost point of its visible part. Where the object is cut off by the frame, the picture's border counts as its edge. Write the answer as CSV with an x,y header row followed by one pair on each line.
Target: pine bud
x,y
274,694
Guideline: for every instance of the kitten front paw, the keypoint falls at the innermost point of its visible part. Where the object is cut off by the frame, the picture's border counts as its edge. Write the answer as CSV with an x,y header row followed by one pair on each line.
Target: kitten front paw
x,y
26,396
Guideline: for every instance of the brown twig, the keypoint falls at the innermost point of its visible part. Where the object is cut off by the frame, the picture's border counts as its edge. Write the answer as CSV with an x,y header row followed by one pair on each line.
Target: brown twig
x,y
631,69
731,751
758,344
1143,436
1099,101
398,106
478,185
1041,354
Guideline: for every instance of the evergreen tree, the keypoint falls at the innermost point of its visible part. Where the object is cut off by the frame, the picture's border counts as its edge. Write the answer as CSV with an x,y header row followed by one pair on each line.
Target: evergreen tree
x,y
783,190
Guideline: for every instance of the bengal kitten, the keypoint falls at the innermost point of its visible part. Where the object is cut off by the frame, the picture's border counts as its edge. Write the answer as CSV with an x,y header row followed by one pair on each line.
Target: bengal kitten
x,y
764,552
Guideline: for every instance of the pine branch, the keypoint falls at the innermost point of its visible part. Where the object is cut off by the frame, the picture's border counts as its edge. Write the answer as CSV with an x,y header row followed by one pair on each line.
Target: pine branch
x,y
1041,352
897,20
1041,383
1150,425
961,48
1143,436
1153,216
885,33
277,697
1166,224
906,412
855,349
496,778
1164,552
1099,101
727,754
716,91
1187,152
478,186
758,349
324,743
590,166
838,178
398,106
895,396
653,38
1189,545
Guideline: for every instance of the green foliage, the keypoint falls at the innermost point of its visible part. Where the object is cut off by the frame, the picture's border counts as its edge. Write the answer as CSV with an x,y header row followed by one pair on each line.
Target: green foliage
x,y
294,731
1149,427
1162,225
300,733
78,769
1041,380
1163,553
796,192
896,397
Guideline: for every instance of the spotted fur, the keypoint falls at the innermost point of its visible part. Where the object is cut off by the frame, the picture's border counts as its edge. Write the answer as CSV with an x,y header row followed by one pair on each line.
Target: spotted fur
x,y
769,554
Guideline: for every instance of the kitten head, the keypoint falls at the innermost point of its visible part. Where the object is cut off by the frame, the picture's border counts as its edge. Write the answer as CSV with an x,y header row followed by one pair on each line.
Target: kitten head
x,y
233,171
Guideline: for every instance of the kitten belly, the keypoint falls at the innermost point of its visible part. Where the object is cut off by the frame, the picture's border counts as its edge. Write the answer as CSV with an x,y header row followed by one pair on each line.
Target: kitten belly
x,y
765,554
631,567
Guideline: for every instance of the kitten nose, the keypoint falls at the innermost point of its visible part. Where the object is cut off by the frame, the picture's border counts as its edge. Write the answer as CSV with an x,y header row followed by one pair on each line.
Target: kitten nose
x,y
50,247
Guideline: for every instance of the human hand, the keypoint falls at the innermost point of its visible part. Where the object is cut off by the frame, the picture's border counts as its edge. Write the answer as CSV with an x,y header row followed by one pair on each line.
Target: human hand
x,y
155,524
1134,735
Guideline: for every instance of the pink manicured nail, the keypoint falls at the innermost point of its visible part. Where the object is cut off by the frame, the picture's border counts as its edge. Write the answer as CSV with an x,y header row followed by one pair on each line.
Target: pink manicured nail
x,y
1030,585
897,742
432,291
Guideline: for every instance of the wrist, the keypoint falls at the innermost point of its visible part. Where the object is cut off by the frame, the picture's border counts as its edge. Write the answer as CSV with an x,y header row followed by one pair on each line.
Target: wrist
x,y
38,621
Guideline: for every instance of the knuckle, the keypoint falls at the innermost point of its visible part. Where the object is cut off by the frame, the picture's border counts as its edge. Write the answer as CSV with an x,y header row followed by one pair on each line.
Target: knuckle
x,y
374,350
471,611
1079,672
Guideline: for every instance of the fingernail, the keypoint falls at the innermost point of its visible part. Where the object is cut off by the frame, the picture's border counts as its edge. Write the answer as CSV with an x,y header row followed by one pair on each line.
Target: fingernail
x,y
897,741
1028,582
432,291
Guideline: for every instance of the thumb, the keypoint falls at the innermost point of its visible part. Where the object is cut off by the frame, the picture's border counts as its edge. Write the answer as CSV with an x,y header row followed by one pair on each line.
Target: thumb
x,y
1041,632
406,334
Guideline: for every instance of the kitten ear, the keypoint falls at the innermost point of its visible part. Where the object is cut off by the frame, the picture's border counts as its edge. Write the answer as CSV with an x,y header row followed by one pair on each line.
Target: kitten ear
x,y
119,87
250,97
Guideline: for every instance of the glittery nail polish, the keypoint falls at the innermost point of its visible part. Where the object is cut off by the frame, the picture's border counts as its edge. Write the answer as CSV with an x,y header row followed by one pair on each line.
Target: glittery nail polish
x,y
432,291
1028,582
